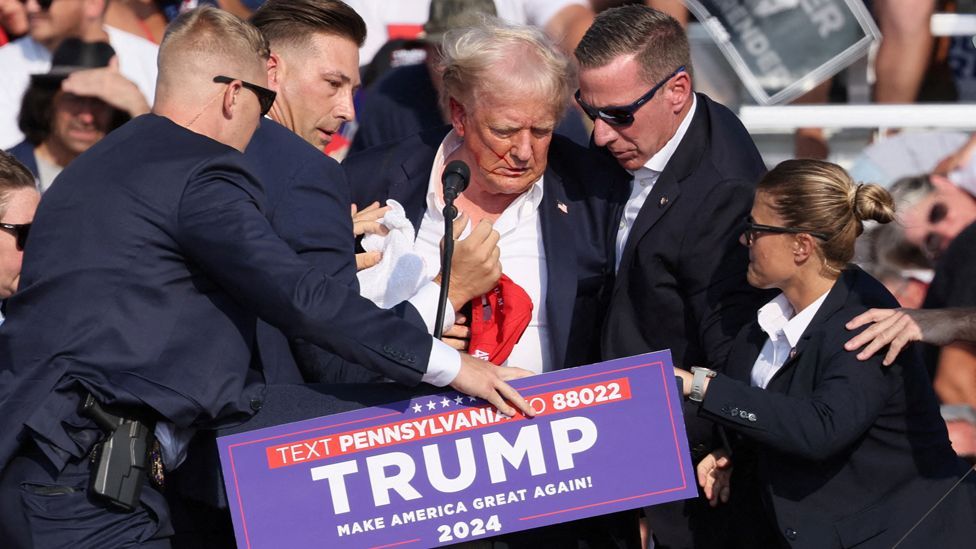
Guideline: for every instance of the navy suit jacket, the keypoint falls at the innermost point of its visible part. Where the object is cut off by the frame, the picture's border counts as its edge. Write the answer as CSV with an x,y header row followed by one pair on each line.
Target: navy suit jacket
x,y
577,242
308,207
143,280
847,452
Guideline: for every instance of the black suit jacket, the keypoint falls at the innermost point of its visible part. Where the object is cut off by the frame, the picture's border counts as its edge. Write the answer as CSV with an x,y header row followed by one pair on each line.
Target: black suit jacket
x,y
681,283
146,270
576,241
848,453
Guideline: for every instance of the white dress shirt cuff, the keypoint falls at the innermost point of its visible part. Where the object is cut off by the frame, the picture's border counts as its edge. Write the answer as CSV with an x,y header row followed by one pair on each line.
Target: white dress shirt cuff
x,y
425,301
443,366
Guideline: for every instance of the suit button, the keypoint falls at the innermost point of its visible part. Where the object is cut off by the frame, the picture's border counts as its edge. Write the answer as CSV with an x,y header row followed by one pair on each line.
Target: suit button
x,y
752,417
790,534
256,404
743,414
734,412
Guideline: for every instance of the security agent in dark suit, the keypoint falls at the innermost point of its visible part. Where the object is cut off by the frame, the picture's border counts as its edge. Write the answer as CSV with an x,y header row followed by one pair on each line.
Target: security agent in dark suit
x,y
307,192
837,452
507,86
147,269
680,281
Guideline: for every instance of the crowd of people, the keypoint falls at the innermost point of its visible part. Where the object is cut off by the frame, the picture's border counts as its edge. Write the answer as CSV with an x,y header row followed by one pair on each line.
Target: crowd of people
x,y
174,240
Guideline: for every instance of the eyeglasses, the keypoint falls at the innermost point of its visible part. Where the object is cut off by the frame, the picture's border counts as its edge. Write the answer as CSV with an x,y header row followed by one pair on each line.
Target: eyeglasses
x,y
623,116
266,97
751,230
43,4
19,232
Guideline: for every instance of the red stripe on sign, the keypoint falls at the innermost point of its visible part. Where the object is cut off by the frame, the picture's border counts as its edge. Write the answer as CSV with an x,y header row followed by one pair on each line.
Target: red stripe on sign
x,y
455,421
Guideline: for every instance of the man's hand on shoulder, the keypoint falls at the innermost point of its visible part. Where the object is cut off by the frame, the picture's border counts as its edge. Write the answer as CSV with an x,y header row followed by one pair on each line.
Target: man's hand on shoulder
x,y
896,328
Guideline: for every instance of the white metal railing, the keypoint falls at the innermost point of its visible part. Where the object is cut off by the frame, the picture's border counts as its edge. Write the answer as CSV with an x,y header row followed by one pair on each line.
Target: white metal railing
x,y
783,119
953,24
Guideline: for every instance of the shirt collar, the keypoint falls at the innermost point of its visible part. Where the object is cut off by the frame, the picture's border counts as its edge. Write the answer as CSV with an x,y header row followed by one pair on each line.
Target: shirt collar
x,y
435,196
778,319
656,164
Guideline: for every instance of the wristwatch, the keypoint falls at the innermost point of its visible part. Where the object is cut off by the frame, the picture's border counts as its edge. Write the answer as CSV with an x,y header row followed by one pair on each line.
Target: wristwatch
x,y
698,382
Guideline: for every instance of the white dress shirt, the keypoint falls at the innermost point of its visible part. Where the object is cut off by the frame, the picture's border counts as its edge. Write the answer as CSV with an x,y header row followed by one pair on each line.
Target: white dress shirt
x,y
784,329
523,256
644,179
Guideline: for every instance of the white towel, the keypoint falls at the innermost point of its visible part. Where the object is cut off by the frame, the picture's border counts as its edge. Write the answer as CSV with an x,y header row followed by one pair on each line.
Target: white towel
x,y
400,273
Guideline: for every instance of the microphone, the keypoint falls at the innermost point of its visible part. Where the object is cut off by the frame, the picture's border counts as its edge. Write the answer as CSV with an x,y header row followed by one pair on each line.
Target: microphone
x,y
455,180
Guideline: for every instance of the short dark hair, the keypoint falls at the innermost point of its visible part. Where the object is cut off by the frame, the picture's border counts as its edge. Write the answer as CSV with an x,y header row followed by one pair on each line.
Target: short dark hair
x,y
37,112
294,22
13,176
657,39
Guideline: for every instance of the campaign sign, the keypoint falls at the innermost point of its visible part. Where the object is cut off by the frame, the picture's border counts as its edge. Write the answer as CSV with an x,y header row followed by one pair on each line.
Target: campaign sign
x,y
446,468
783,48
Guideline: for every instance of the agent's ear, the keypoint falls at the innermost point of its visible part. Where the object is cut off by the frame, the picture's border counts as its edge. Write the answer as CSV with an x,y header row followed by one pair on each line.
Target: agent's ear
x,y
680,90
803,247
276,67
231,95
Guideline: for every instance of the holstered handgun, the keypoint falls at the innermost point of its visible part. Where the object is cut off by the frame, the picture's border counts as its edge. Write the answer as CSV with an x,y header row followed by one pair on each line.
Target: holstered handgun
x,y
121,457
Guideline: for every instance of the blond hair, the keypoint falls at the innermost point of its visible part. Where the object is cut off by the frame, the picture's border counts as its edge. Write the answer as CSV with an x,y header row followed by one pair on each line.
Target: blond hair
x,y
820,197
206,38
479,59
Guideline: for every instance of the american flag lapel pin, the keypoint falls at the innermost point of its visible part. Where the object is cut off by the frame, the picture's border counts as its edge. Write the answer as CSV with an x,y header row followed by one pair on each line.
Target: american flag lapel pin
x,y
562,207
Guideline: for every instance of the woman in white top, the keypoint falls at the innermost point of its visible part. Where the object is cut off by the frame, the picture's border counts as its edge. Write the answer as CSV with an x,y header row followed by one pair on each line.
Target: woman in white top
x,y
828,451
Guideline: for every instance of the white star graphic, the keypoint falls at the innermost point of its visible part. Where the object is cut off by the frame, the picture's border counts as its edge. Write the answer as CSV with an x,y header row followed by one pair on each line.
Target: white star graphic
x,y
445,403
472,399
458,400
417,408
431,405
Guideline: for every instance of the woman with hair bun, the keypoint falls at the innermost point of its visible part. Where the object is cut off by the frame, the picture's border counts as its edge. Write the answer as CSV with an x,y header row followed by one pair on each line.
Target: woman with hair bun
x,y
829,451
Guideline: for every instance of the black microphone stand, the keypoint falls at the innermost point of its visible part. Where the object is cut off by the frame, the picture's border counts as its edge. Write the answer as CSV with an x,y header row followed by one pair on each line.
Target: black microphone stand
x,y
447,255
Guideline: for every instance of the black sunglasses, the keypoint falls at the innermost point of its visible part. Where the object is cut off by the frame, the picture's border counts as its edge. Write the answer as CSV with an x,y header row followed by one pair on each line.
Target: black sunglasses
x,y
43,4
752,229
623,116
19,232
266,97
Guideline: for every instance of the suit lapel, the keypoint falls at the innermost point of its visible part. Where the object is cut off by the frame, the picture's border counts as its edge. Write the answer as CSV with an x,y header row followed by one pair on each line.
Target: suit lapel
x,y
665,192
561,266
836,299
409,188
